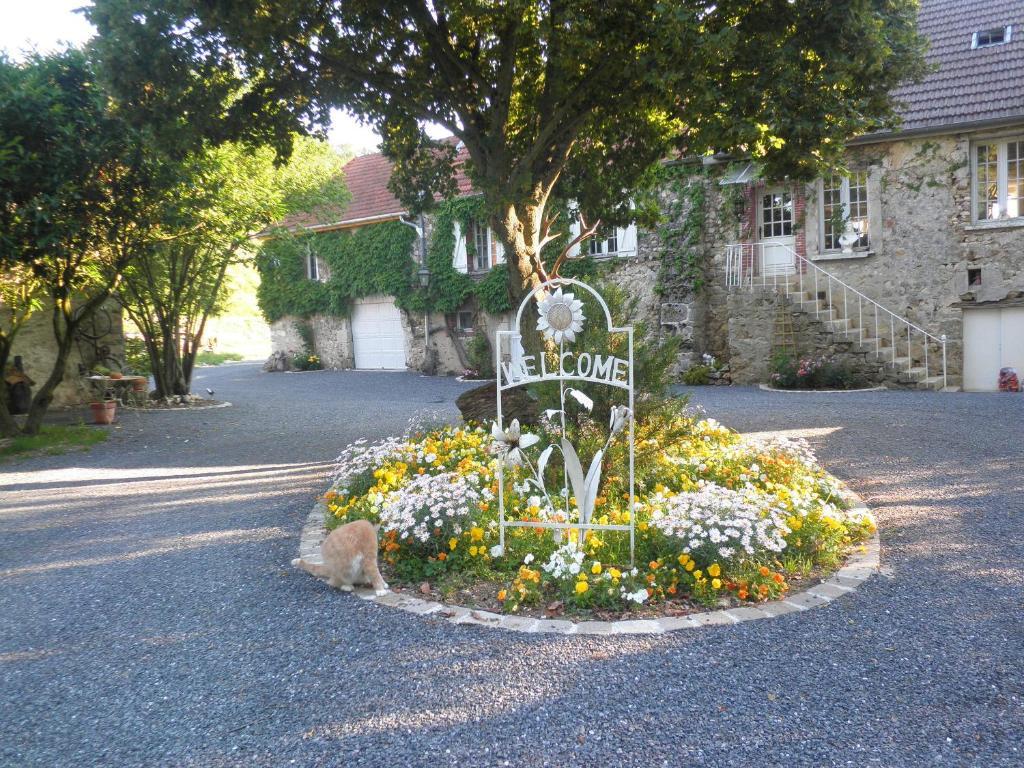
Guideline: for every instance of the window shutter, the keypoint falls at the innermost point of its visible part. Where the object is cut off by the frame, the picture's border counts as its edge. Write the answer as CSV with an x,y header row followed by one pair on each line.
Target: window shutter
x,y
574,232
626,239
459,257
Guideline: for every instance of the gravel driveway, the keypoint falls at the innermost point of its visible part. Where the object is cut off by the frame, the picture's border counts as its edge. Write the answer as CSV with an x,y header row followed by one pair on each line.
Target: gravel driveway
x,y
148,615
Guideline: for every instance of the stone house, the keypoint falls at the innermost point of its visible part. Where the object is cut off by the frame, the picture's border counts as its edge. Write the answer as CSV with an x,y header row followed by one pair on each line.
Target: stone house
x,y
909,264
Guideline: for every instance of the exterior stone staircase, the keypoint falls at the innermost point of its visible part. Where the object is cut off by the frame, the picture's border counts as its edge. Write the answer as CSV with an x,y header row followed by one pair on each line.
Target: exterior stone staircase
x,y
899,361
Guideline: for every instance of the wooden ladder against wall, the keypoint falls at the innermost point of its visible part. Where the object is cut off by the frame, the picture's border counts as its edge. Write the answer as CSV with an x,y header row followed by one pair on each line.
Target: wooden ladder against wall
x,y
783,337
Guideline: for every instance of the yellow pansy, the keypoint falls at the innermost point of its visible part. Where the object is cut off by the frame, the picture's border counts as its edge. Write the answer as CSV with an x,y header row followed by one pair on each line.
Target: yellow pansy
x,y
714,570
581,587
453,542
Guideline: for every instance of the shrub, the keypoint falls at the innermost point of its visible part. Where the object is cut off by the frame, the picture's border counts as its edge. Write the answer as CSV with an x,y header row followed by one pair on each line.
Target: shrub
x,y
813,373
306,362
481,356
136,358
697,375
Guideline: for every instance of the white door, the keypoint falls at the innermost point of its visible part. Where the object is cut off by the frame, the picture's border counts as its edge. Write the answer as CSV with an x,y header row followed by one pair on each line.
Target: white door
x,y
377,337
775,232
993,339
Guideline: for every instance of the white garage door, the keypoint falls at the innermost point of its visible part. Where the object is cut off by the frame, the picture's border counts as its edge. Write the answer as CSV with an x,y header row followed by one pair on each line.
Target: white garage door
x,y
377,335
993,339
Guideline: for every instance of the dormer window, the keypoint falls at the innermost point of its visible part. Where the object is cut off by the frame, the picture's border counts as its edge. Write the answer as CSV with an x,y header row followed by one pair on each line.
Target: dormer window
x,y
988,37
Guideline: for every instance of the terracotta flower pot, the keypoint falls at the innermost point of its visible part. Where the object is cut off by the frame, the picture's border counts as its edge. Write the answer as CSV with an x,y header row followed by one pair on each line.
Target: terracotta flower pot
x,y
140,384
103,413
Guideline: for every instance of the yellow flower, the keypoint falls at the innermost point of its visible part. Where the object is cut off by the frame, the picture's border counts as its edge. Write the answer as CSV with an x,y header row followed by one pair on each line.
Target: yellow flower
x,y
476,534
615,573
472,551
714,570
581,587
595,568
690,565
715,583
684,559
453,542
698,575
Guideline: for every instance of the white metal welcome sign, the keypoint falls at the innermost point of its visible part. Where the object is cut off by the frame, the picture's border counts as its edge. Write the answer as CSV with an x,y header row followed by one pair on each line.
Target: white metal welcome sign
x,y
558,314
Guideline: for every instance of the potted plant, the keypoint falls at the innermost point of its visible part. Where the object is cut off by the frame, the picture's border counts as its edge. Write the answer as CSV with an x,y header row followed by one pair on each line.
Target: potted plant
x,y
103,412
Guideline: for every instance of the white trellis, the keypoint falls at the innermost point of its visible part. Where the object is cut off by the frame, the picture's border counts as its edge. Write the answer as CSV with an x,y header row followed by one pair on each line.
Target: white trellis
x,y
594,367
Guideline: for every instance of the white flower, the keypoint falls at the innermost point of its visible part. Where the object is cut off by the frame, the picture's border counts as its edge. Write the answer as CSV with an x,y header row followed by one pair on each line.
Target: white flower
x,y
561,316
497,550
618,418
511,442
528,559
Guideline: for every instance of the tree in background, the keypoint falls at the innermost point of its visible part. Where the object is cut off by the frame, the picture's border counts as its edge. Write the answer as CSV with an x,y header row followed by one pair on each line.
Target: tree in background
x,y
575,100
77,194
227,194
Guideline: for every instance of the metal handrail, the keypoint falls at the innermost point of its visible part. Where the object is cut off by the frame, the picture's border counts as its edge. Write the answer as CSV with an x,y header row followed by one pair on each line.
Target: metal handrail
x,y
742,273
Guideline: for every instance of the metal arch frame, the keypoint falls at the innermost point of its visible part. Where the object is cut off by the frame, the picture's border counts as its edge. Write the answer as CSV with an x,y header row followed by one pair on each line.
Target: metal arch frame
x,y
516,336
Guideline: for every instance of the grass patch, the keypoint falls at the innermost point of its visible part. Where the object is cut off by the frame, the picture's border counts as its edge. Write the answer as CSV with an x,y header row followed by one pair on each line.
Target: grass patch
x,y
206,357
52,440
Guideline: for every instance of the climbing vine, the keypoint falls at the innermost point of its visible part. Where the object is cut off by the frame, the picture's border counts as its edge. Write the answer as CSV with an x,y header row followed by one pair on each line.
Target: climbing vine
x,y
682,253
373,259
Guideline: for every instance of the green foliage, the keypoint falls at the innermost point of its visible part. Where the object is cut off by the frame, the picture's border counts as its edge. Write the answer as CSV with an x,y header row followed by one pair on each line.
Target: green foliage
x,y
697,375
225,194
682,233
52,440
578,99
481,356
787,372
307,362
209,357
136,357
492,291
372,259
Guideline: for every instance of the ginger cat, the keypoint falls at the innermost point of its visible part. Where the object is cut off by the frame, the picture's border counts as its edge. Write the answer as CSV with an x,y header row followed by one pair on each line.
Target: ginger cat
x,y
350,557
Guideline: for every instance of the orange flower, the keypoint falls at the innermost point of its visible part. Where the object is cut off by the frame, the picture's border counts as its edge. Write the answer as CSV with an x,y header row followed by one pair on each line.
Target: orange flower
x,y
442,556
742,594
778,578
653,565
764,570
502,594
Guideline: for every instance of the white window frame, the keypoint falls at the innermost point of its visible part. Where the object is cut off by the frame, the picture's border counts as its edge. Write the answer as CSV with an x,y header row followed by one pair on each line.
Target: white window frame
x,y
844,201
1007,36
605,246
1002,145
463,327
478,227
312,266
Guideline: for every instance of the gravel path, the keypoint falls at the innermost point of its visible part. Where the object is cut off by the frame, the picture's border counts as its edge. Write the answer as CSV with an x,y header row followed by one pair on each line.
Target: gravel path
x,y
148,615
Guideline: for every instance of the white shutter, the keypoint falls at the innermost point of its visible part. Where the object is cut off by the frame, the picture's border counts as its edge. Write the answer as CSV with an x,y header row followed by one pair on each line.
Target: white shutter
x,y
626,240
574,232
459,257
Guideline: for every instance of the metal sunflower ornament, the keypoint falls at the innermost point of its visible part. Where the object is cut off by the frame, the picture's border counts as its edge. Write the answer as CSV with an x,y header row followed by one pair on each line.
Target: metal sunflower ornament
x,y
561,316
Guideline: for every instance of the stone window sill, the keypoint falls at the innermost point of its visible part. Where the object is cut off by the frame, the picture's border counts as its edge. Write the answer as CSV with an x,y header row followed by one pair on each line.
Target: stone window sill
x,y
986,226
839,255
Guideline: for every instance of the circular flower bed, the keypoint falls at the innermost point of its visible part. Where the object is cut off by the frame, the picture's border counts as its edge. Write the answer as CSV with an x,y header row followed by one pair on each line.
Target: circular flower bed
x,y
719,519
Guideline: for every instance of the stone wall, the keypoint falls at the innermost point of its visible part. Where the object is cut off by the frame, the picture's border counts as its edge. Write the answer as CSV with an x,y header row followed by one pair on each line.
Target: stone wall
x,y
332,339
38,349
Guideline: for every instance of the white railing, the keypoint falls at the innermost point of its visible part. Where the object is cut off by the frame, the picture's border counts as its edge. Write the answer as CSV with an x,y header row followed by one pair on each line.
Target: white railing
x,y
747,269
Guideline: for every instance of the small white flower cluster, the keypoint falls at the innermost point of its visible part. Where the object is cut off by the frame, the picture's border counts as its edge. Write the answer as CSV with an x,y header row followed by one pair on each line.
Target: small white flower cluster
x,y
794,447
565,561
360,456
729,521
639,597
428,502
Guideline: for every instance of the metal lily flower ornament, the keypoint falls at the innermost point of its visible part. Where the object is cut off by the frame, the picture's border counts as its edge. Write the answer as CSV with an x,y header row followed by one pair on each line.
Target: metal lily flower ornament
x,y
512,442
561,316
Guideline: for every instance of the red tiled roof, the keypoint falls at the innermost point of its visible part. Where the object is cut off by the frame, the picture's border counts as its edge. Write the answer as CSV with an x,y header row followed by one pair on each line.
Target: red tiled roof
x,y
367,180
967,85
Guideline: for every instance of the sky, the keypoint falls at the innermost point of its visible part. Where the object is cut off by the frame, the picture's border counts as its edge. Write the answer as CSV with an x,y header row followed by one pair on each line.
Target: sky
x,y
45,24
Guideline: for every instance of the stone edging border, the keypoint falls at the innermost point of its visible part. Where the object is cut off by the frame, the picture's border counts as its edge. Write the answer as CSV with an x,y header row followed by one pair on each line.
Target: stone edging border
x,y
860,566
768,388
225,404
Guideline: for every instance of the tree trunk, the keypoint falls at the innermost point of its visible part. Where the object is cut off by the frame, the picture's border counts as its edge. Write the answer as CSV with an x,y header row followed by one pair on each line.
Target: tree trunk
x,y
8,426
44,395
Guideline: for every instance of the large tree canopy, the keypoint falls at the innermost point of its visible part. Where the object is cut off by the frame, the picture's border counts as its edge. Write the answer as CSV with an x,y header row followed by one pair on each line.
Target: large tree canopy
x,y
549,97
